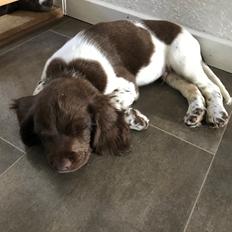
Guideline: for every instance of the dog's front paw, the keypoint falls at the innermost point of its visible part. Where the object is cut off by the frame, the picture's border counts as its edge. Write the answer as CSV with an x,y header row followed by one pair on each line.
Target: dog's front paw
x,y
136,120
217,116
122,99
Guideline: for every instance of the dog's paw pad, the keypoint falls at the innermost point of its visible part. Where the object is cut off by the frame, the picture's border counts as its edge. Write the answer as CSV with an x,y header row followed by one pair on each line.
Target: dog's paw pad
x,y
136,120
219,121
194,118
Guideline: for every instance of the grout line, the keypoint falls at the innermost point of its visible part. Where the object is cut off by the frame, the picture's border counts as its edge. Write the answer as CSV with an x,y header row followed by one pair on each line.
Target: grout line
x,y
220,140
35,36
173,135
22,43
198,195
59,33
12,165
64,22
11,144
224,132
204,181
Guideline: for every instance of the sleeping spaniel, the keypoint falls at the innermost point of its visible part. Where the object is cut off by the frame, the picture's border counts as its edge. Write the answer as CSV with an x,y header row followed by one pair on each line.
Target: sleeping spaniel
x,y
83,101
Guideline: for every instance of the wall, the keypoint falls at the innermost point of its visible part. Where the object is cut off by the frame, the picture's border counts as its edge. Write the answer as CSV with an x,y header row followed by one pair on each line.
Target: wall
x,y
210,16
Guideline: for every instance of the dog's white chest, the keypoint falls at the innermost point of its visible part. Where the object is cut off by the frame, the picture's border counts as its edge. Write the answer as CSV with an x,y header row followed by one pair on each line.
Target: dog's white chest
x,y
156,67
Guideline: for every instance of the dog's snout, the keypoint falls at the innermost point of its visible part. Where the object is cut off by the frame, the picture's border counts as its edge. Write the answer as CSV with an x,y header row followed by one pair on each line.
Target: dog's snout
x,y
64,164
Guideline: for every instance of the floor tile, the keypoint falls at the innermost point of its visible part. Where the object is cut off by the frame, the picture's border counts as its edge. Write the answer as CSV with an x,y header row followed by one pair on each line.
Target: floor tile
x,y
8,155
71,27
29,36
20,70
214,209
165,107
153,188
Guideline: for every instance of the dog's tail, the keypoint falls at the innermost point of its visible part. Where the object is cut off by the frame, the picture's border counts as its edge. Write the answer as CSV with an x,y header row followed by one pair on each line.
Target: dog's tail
x,y
212,76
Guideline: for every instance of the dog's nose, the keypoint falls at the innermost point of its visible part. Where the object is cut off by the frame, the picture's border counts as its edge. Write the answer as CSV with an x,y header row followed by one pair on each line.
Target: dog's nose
x,y
65,164
61,165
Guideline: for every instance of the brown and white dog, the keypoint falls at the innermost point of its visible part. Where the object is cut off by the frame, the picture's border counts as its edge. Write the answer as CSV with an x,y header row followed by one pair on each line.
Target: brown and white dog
x,y
83,100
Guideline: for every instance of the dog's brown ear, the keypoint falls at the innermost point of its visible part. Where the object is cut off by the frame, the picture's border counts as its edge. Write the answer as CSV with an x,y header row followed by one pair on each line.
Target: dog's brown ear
x,y
112,132
24,110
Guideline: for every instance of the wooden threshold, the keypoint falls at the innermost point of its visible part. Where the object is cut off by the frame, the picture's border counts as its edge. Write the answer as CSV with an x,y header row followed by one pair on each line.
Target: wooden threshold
x,y
19,23
5,2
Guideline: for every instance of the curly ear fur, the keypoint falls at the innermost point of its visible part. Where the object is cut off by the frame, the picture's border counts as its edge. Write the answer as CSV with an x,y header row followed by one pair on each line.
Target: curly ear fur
x,y
24,110
112,132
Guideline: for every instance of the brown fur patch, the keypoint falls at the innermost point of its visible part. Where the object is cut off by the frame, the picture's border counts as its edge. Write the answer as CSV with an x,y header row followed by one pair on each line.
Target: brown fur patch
x,y
123,72
124,44
79,68
92,71
164,30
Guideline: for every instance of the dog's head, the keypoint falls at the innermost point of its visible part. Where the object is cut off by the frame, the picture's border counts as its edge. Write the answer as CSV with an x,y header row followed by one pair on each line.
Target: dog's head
x,y
70,118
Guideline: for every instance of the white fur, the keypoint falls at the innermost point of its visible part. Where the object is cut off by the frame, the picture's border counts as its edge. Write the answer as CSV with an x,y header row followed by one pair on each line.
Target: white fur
x,y
156,67
217,81
124,96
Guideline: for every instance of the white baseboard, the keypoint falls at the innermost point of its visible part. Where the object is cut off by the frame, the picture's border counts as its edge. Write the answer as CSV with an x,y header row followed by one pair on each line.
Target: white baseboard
x,y
216,51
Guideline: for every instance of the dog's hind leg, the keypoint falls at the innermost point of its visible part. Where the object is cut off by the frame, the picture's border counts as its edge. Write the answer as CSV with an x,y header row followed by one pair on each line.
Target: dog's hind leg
x,y
212,76
185,59
196,101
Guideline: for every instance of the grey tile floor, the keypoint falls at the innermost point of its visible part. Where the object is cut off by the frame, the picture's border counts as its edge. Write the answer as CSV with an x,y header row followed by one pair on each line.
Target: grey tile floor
x,y
175,179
